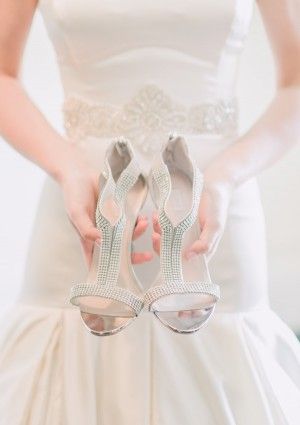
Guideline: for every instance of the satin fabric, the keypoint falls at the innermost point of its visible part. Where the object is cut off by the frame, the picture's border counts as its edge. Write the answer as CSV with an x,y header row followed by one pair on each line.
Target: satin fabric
x,y
243,367
106,50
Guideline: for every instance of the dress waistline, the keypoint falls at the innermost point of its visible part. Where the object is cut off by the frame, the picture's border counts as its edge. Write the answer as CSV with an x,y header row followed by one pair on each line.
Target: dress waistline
x,y
148,117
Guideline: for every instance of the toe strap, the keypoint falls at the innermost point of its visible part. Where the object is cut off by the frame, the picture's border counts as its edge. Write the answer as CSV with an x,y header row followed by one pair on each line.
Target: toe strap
x,y
156,292
114,293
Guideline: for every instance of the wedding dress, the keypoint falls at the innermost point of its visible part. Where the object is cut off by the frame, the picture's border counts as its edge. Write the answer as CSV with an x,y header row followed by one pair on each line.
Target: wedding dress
x,y
142,69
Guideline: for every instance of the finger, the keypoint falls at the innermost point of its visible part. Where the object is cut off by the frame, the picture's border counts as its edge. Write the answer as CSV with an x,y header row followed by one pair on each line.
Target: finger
x,y
204,244
213,249
187,313
141,257
142,217
140,227
156,226
86,227
156,242
87,248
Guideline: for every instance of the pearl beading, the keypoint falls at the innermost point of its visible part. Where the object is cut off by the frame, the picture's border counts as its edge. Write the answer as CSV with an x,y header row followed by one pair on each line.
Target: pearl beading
x,y
147,118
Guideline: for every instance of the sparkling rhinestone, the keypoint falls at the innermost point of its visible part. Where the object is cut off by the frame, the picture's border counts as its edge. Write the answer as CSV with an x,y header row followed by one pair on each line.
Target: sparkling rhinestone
x,y
147,118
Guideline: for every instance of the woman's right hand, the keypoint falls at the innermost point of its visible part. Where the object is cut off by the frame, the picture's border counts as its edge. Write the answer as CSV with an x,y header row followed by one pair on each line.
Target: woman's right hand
x,y
80,186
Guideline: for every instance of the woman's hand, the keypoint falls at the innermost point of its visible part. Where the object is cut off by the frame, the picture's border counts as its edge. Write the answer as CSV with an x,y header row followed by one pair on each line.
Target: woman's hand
x,y
80,191
213,209
212,217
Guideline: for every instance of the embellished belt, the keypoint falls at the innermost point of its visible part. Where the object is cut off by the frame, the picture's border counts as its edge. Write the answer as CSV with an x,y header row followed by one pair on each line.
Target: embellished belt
x,y
147,118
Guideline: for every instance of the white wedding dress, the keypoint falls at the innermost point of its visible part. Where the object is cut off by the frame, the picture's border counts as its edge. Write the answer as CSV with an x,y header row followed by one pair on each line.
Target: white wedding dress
x,y
142,69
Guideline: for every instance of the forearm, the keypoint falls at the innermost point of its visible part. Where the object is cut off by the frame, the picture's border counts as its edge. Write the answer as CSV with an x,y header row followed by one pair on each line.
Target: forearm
x,y
27,130
268,140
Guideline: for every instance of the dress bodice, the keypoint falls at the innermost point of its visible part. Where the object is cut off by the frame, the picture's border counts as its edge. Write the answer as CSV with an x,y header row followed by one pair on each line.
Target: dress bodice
x,y
172,54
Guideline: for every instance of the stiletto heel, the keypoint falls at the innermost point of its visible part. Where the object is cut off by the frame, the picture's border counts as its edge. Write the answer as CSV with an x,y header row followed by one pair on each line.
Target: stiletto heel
x,y
112,297
183,298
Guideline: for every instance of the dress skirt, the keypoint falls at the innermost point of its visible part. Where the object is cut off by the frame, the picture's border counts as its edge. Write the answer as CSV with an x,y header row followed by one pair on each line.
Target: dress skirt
x,y
241,368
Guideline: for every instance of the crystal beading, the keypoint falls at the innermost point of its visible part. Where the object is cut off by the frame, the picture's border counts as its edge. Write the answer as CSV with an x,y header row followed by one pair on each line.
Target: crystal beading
x,y
108,265
156,292
172,235
147,118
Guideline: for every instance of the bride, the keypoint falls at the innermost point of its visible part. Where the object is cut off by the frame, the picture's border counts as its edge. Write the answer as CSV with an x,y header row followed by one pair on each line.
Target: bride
x,y
142,69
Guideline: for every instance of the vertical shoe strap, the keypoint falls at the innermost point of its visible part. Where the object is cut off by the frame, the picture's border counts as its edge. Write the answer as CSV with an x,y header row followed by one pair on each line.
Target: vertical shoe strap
x,y
108,264
110,246
172,235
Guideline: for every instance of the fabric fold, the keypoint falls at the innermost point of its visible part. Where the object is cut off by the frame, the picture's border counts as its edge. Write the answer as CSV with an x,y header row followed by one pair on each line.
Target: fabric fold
x,y
239,369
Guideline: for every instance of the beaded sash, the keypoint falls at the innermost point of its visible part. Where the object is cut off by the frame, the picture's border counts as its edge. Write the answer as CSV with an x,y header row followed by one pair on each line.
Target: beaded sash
x,y
147,118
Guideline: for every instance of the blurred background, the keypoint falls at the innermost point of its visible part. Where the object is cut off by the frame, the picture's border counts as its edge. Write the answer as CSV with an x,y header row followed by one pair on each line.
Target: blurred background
x,y
21,181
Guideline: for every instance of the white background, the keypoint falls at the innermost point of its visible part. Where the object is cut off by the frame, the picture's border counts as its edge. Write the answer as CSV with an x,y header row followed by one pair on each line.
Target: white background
x,y
21,180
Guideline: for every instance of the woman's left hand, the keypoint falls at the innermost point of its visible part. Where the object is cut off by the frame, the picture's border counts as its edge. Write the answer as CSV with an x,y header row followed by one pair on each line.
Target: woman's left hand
x,y
140,228
213,209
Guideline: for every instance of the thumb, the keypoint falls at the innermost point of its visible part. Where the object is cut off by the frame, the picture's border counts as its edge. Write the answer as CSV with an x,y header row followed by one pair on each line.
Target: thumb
x,y
87,249
86,227
204,244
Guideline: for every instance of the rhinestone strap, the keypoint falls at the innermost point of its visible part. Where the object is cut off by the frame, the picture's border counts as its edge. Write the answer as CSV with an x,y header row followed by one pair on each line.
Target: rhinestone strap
x,y
116,293
153,294
147,118
172,235
111,240
108,266
129,175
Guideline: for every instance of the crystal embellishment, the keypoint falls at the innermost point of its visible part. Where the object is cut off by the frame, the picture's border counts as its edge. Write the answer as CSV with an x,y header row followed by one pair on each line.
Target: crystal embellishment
x,y
147,118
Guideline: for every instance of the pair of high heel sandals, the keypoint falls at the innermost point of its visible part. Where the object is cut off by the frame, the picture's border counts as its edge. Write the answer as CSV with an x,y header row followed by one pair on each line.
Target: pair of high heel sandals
x,y
183,297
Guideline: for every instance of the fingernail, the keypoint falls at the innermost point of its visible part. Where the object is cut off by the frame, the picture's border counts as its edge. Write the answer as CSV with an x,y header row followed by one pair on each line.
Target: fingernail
x,y
190,255
98,241
148,256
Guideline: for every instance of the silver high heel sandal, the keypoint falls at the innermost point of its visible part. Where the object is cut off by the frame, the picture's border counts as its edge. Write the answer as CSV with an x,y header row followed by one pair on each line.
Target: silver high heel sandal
x,y
183,298
112,297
